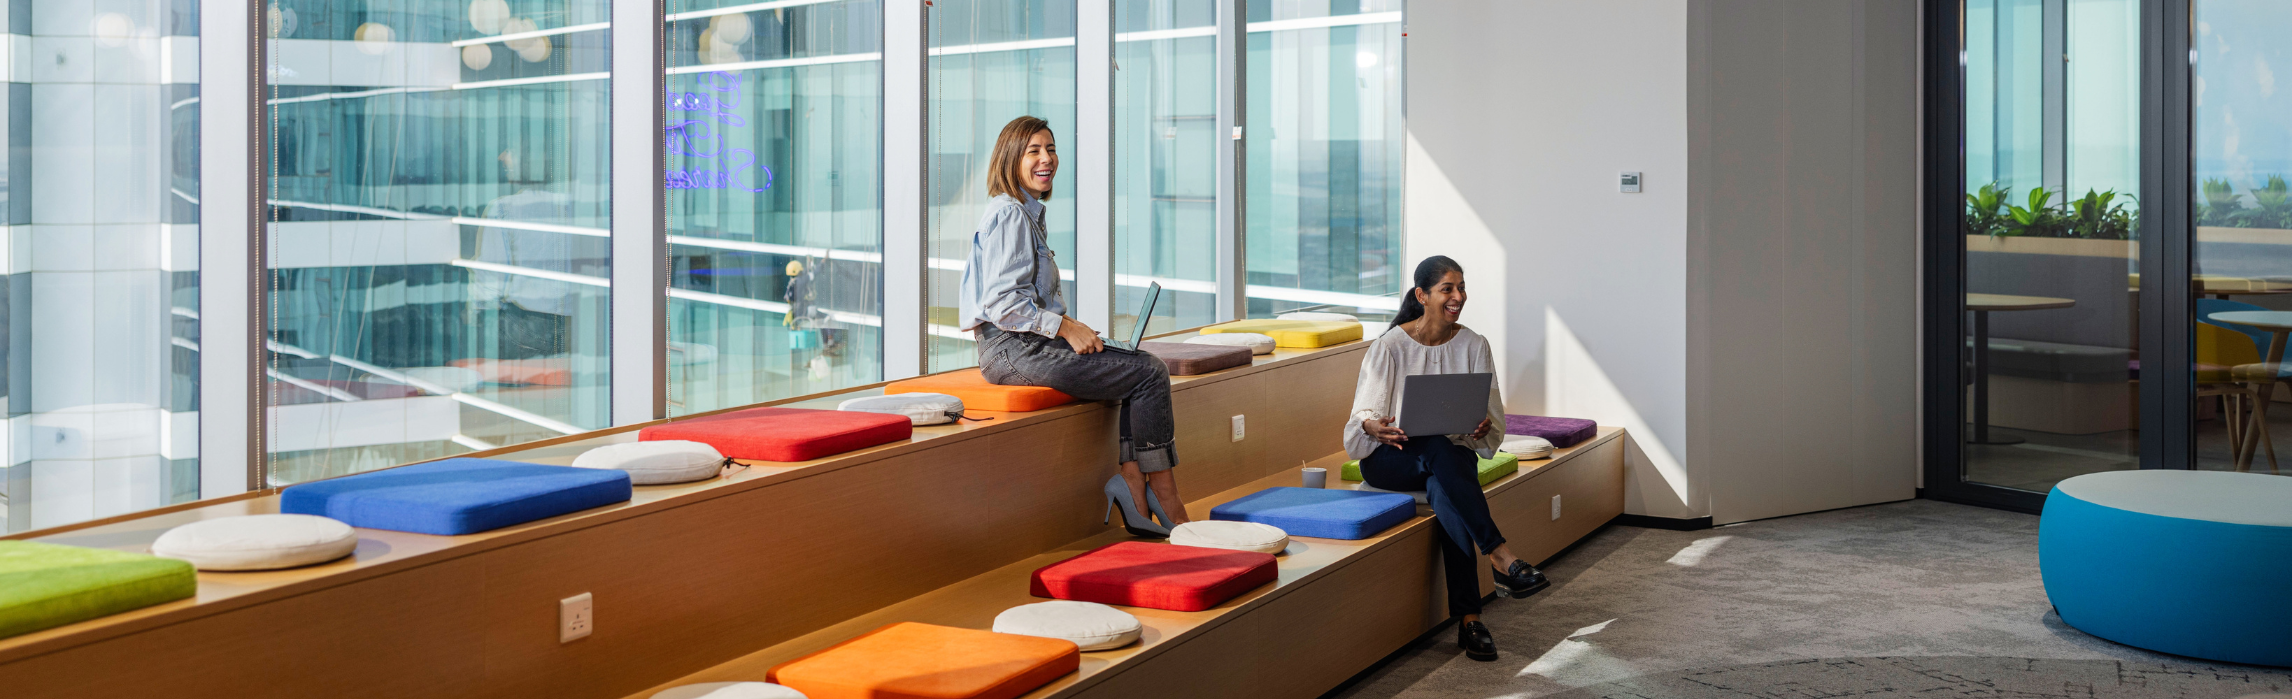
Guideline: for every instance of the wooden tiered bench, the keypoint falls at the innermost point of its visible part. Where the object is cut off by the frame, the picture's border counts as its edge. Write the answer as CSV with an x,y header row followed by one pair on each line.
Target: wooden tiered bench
x,y
1338,607
714,576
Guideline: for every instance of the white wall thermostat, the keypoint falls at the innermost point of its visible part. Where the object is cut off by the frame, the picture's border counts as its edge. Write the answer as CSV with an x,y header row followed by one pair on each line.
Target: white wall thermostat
x,y
1629,182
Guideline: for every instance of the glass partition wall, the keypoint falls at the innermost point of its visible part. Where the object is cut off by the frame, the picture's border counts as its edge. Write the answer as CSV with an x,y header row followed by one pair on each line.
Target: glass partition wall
x,y
2109,246
427,208
2241,264
2050,222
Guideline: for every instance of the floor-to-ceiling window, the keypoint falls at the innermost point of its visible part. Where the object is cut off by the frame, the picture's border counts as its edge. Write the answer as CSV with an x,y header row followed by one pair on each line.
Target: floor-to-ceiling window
x,y
1165,167
774,199
990,61
437,222
2051,209
2241,259
1324,144
101,206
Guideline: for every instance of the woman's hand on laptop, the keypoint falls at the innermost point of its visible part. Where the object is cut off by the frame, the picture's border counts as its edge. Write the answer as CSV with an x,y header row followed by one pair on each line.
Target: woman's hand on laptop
x,y
1083,339
1382,430
1482,430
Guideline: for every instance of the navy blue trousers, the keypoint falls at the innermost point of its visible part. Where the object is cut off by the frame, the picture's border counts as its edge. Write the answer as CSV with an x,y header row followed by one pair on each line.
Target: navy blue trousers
x,y
1449,475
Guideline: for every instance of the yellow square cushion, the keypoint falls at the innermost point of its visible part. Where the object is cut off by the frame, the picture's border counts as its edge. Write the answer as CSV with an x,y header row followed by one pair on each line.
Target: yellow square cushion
x,y
1294,334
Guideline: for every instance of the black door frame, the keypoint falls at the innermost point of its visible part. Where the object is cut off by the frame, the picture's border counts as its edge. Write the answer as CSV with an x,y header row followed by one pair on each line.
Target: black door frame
x,y
2167,385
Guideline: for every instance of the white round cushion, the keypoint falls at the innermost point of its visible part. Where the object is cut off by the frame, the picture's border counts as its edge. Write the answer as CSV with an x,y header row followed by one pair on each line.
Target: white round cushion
x,y
258,542
920,408
1526,446
730,690
1317,315
1258,343
655,463
1090,625
1239,536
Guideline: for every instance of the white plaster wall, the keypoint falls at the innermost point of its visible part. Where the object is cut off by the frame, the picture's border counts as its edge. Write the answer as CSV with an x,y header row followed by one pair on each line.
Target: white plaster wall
x,y
1750,316
1802,253
1521,115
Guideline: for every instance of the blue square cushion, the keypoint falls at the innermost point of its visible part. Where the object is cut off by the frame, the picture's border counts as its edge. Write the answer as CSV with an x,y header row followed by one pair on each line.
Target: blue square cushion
x,y
457,496
1315,512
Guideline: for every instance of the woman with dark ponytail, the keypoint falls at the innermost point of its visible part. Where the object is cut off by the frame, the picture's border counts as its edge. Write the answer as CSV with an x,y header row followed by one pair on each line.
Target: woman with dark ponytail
x,y
1427,339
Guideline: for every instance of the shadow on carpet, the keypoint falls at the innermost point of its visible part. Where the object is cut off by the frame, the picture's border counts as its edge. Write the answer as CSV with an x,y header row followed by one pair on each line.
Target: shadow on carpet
x,y
1948,677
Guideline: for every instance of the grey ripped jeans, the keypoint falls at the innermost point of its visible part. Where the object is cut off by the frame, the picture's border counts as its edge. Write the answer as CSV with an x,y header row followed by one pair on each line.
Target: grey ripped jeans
x,y
1139,380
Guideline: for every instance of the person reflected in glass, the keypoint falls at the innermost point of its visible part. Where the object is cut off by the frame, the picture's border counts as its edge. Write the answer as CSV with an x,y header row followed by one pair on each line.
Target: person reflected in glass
x,y
1427,339
1012,304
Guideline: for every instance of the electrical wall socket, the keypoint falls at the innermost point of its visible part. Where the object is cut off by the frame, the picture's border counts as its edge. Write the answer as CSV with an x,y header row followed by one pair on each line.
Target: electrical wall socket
x,y
1238,428
1555,508
576,617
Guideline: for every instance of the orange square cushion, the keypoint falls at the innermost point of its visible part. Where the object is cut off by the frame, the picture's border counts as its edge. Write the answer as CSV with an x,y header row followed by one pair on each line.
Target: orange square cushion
x,y
977,394
908,660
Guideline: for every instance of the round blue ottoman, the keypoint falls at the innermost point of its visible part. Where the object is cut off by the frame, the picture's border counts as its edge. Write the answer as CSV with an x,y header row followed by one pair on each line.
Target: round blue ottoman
x,y
2194,563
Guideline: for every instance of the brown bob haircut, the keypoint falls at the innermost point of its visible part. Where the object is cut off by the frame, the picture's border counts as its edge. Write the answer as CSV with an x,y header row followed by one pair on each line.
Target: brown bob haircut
x,y
1003,162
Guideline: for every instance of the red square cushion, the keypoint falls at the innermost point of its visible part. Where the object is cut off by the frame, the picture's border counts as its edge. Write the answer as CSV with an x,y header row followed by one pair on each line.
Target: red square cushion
x,y
1155,576
785,434
977,394
908,660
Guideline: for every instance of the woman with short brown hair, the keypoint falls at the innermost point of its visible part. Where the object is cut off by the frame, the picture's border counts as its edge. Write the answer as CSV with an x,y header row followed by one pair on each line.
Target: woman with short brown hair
x,y
1012,303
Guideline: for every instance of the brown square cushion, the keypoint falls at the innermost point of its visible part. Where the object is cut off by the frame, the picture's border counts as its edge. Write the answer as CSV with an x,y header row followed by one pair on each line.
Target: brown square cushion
x,y
1189,359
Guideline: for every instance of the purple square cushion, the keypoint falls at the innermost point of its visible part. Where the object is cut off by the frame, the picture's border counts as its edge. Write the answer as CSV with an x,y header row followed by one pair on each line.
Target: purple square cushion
x,y
1562,432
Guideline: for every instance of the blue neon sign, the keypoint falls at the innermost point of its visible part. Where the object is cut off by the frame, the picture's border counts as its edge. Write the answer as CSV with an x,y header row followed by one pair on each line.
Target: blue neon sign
x,y
705,137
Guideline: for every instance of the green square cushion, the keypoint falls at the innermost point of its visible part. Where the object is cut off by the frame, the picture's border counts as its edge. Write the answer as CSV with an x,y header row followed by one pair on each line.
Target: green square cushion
x,y
1490,469
45,585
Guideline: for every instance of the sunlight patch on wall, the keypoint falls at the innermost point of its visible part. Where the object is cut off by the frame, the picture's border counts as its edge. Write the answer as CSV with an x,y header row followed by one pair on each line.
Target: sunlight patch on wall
x,y
1575,385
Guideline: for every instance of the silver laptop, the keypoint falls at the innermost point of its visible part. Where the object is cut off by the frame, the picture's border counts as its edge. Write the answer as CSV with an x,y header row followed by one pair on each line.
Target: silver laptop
x,y
1444,404
1137,332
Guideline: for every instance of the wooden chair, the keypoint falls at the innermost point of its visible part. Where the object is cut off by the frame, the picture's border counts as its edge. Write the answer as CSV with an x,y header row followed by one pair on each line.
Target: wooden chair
x,y
2229,366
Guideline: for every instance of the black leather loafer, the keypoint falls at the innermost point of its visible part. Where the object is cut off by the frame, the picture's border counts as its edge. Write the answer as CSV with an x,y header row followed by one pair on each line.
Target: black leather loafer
x,y
1520,582
1477,643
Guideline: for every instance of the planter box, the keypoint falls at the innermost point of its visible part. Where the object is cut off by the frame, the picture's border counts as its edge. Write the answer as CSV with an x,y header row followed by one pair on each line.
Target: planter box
x,y
2077,247
2094,273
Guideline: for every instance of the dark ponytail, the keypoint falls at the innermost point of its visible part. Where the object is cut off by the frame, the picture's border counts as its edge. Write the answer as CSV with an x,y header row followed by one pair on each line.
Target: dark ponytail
x,y
1429,273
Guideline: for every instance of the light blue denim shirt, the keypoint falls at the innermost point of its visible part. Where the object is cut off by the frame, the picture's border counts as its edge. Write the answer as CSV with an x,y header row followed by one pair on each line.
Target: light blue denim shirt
x,y
1011,279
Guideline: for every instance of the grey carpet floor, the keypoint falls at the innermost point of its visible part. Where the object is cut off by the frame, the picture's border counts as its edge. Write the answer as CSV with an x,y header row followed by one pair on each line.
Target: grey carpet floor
x,y
1913,598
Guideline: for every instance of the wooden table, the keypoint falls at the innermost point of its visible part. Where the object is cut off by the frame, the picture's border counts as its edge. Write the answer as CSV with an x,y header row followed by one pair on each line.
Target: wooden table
x,y
2278,324
1981,305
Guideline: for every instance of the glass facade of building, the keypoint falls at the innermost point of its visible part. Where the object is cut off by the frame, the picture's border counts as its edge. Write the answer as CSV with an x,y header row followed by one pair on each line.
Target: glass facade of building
x,y
774,198
1324,145
438,221
1165,161
438,230
102,218
991,61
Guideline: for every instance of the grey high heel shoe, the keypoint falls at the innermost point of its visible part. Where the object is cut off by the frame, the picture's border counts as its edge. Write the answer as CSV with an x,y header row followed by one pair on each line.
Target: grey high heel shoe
x,y
1154,507
1118,496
